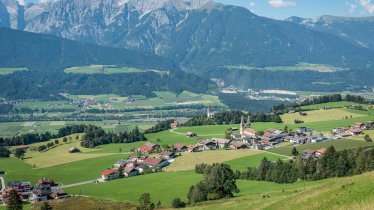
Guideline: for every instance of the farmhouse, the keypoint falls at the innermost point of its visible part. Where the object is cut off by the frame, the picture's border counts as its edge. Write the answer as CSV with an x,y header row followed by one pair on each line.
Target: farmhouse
x,y
237,145
145,150
320,152
174,124
308,153
221,143
130,171
107,175
193,148
151,145
180,147
207,144
58,192
303,130
167,155
339,130
155,162
191,134
355,131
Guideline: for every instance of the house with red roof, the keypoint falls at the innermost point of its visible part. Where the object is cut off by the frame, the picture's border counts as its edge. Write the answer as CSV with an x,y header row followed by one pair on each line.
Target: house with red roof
x,y
180,147
145,149
107,175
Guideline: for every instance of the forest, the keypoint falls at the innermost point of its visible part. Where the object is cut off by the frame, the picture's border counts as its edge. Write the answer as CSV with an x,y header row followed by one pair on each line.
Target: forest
x,y
332,164
231,117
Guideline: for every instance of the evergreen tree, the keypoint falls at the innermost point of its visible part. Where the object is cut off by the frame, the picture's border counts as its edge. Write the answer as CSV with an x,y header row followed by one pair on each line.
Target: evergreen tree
x,y
15,202
294,152
145,202
368,138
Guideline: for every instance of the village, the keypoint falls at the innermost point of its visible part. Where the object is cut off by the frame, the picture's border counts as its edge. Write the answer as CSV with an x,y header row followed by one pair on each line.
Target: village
x,y
152,157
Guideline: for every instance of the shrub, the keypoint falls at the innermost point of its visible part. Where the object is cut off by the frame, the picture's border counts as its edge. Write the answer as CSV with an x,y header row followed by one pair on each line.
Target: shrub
x,y
177,203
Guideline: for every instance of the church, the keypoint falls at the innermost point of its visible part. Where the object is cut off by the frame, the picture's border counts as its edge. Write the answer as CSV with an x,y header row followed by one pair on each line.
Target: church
x,y
245,129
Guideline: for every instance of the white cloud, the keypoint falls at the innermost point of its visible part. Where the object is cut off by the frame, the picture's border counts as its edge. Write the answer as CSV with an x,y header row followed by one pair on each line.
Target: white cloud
x,y
282,3
367,5
22,2
252,6
352,8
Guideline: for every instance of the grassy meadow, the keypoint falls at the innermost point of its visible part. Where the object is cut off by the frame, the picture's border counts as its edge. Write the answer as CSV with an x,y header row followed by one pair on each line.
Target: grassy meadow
x,y
338,144
101,69
6,71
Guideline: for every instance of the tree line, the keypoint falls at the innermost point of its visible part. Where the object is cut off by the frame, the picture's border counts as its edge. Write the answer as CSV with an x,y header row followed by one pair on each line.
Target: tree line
x,y
95,136
231,117
296,106
160,126
331,164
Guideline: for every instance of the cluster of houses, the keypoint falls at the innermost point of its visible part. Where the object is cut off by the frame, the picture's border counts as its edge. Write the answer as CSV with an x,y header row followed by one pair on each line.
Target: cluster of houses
x,y
354,130
45,189
137,165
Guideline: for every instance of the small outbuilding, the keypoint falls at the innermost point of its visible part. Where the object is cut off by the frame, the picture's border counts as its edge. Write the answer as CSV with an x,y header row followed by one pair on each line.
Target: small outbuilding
x,y
74,150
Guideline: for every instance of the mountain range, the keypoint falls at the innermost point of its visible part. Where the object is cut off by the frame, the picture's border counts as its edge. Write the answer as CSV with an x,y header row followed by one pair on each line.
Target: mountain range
x,y
193,33
197,36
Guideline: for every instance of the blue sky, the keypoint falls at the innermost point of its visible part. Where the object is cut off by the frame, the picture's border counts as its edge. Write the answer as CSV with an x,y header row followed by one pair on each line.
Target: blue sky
x,y
306,8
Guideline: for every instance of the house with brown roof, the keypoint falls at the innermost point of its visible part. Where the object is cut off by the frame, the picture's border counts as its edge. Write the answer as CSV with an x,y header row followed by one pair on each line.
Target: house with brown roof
x,y
355,131
308,153
155,162
167,155
193,148
237,145
180,147
221,142
151,145
129,171
320,152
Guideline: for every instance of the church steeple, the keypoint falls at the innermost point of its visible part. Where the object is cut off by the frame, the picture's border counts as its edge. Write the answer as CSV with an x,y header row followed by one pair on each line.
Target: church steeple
x,y
242,125
249,121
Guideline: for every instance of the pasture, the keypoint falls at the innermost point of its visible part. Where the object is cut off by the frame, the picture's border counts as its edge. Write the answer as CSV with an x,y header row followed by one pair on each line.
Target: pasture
x,y
320,116
59,154
339,104
338,144
6,71
67,173
108,69
188,161
243,163
342,193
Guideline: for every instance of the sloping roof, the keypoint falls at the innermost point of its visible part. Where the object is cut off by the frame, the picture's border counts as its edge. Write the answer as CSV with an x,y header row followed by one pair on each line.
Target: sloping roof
x,y
237,144
221,141
321,151
150,144
308,151
355,130
152,161
179,146
23,147
146,149
167,153
359,123
108,172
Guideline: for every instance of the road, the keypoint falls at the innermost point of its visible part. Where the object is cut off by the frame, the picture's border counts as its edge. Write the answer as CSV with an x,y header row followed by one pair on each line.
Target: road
x,y
77,184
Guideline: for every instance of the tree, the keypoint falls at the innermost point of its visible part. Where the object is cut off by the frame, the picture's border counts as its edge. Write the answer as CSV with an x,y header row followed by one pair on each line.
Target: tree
x,y
65,139
145,202
57,141
19,153
177,203
294,152
4,152
46,206
285,129
368,138
15,202
219,182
